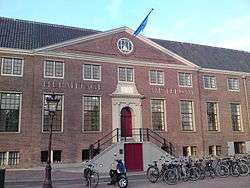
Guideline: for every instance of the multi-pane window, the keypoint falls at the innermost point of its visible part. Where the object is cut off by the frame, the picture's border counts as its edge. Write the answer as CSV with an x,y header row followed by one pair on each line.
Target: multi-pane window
x,y
215,150
239,147
91,72
209,82
185,79
189,150
3,158
158,116
212,116
57,121
9,112
57,156
187,115
126,74
156,77
12,66
236,116
91,114
53,69
13,158
233,84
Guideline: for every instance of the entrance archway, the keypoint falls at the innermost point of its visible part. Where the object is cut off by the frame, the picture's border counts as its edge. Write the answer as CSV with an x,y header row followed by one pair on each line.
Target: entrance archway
x,y
126,122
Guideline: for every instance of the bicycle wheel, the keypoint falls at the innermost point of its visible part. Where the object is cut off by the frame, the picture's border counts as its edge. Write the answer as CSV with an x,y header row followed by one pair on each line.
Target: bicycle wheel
x,y
153,174
94,179
222,171
243,169
235,170
193,174
170,176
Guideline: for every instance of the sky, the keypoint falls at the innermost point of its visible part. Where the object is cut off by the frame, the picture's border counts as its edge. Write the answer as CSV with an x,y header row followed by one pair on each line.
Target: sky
x,y
222,23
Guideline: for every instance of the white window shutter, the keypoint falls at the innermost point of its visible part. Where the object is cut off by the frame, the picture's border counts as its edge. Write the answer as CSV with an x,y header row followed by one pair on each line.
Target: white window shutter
x,y
230,146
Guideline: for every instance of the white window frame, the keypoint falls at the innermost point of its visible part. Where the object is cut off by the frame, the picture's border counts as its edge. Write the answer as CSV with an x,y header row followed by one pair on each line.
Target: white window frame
x,y
165,114
163,77
54,69
92,79
194,127
133,72
100,97
237,82
218,115
62,94
241,121
20,112
12,64
191,79
6,162
212,88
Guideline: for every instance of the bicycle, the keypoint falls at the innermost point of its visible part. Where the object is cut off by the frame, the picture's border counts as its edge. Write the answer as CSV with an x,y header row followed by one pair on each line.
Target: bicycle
x,y
90,174
154,173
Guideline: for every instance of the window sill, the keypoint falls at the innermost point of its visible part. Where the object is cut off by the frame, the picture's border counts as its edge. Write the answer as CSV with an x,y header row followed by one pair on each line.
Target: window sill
x,y
184,131
12,75
212,89
53,77
91,131
10,132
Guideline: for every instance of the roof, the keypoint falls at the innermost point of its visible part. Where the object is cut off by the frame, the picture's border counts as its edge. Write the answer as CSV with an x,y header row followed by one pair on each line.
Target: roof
x,y
28,35
22,34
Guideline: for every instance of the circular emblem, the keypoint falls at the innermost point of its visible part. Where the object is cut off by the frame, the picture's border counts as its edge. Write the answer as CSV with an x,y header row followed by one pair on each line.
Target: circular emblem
x,y
125,45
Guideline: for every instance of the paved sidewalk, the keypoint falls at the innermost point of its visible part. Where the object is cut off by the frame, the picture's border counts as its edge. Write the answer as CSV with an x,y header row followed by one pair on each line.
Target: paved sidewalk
x,y
57,175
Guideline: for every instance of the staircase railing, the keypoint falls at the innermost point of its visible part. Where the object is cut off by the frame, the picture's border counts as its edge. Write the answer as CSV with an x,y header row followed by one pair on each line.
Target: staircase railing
x,y
143,134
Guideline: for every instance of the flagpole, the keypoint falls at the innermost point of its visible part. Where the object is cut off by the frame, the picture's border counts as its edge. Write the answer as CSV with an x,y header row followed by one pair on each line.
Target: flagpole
x,y
143,24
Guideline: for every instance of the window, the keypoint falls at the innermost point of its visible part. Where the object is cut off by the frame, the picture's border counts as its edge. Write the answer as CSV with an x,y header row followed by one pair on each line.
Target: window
x,y
86,153
3,158
215,150
185,79
57,156
158,117
53,69
44,156
126,74
91,72
239,147
13,158
12,67
233,84
187,115
209,82
91,114
125,45
57,121
189,151
156,77
10,112
236,116
212,116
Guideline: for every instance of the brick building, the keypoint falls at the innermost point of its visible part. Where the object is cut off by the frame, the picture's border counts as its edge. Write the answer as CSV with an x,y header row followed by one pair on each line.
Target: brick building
x,y
195,96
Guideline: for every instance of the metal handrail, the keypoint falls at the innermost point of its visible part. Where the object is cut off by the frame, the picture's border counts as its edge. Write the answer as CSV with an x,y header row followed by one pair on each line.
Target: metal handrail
x,y
149,134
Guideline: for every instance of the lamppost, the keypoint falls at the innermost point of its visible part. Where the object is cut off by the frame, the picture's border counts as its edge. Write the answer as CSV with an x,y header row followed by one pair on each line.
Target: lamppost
x,y
52,103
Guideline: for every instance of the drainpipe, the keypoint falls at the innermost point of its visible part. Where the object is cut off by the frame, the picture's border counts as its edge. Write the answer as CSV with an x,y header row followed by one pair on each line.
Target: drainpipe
x,y
201,119
246,98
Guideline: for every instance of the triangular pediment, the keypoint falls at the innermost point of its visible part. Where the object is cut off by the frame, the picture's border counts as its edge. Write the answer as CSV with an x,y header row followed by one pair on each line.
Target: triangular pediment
x,y
106,44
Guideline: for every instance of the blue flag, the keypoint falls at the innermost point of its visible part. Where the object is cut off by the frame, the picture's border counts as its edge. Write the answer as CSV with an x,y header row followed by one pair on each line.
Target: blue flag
x,y
142,25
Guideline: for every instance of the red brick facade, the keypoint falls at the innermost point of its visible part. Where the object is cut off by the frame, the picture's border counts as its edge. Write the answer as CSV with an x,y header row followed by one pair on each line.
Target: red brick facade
x,y
32,85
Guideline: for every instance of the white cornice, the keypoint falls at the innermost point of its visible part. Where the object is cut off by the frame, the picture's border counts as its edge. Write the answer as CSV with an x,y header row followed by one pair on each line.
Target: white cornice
x,y
83,39
113,31
117,60
87,57
211,71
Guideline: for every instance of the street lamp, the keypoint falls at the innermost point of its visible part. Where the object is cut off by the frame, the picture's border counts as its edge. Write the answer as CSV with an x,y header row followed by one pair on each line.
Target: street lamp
x,y
52,103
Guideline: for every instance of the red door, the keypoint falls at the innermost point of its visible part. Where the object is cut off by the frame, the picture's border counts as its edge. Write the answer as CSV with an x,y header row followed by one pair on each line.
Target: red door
x,y
126,122
133,157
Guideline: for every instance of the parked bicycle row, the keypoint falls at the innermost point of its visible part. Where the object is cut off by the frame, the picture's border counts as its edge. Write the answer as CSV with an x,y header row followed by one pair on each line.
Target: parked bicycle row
x,y
172,170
